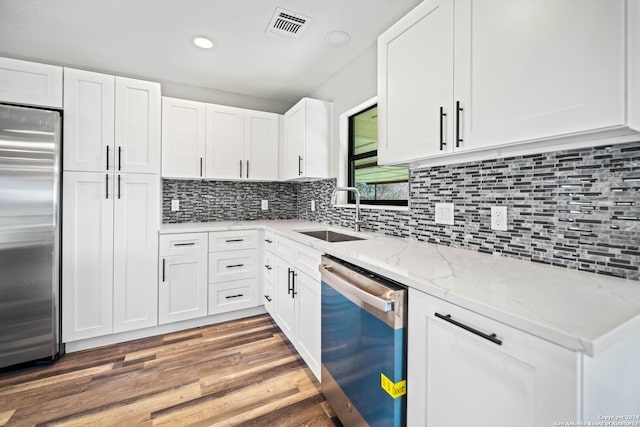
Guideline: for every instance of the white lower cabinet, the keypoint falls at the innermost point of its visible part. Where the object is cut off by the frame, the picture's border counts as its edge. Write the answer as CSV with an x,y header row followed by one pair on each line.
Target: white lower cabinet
x,y
233,270
182,288
109,253
296,301
461,374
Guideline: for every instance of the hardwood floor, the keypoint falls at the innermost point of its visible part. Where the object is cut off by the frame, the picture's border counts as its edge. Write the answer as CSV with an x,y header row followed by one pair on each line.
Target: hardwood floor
x,y
243,372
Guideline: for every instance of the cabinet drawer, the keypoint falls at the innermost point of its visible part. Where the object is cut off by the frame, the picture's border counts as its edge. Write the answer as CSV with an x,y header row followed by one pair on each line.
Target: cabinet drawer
x,y
229,296
183,244
233,240
233,265
283,248
269,238
307,260
268,267
267,298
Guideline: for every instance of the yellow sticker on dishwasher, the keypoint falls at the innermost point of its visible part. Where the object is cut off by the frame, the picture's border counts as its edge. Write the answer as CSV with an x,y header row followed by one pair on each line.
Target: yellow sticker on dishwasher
x,y
395,390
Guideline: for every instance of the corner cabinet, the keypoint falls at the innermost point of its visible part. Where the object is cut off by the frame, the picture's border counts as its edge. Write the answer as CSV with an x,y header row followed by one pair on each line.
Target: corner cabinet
x,y
467,369
456,76
307,142
30,83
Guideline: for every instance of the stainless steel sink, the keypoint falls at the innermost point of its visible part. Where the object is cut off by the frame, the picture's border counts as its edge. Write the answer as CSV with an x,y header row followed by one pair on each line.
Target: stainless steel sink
x,y
330,236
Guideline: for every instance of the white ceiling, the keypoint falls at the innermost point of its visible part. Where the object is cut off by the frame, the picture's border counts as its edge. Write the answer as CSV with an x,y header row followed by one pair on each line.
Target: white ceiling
x,y
151,39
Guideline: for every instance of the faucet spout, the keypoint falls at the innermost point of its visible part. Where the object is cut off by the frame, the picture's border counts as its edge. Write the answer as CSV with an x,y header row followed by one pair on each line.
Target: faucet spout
x,y
358,219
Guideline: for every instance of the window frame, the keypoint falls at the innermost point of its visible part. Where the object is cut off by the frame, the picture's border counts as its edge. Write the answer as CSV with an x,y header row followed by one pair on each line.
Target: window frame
x,y
352,158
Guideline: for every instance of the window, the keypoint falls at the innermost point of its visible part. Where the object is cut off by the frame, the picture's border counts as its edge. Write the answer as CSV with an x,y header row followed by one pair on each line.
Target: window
x,y
378,185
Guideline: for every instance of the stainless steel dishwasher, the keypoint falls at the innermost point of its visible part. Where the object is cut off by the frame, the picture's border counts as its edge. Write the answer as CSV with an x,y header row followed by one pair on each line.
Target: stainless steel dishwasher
x,y
363,345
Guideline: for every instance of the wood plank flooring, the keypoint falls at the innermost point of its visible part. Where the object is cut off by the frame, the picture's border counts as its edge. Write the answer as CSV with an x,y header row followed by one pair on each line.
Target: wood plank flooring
x,y
243,372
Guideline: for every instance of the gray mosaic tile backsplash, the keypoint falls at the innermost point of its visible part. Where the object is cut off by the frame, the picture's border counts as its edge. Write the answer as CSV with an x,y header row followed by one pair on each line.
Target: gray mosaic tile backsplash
x,y
579,208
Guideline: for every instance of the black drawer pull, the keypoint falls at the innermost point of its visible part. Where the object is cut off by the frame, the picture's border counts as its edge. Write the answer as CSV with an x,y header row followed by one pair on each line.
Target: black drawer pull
x,y
268,267
184,244
234,240
235,265
268,240
267,297
234,296
447,318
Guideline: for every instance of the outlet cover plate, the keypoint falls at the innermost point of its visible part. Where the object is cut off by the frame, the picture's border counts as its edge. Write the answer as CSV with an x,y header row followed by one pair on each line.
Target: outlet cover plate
x,y
444,213
175,205
499,218
265,205
313,206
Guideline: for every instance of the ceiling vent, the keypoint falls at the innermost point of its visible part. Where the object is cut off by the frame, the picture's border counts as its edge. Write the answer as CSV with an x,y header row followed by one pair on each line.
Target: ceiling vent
x,y
288,24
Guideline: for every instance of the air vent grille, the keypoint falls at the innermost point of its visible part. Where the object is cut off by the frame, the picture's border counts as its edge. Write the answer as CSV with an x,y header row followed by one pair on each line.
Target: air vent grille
x,y
287,23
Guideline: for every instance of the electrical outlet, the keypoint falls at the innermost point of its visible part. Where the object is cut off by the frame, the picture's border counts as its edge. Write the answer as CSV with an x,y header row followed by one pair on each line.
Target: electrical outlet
x,y
313,206
444,213
499,218
265,205
175,205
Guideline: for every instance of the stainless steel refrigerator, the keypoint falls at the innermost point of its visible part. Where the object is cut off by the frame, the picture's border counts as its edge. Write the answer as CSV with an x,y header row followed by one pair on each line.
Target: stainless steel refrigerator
x,y
29,234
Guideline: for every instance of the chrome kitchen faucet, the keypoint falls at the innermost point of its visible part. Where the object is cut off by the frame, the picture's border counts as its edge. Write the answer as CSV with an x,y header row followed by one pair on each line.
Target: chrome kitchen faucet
x,y
358,220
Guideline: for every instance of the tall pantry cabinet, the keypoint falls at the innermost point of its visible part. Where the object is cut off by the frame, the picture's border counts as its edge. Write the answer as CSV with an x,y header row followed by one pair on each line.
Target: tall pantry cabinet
x,y
111,198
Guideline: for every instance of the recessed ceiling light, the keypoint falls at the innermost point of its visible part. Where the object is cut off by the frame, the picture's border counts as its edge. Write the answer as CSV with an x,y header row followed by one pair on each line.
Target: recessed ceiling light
x,y
202,42
338,38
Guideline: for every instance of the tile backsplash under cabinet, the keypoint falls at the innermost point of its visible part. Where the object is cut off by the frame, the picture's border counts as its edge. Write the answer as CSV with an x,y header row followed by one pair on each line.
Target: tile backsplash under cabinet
x,y
578,208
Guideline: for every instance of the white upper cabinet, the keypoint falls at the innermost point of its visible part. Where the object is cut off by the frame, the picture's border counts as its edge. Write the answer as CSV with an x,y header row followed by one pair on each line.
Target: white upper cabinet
x,y
225,142
261,144
30,83
307,143
88,121
137,132
508,75
183,138
415,84
110,123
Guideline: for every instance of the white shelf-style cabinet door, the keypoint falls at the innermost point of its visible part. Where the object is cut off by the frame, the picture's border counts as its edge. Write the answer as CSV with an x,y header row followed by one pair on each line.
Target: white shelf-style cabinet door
x,y
285,307
87,255
89,102
136,222
457,377
225,142
261,145
308,320
182,279
137,126
295,134
557,69
415,84
183,138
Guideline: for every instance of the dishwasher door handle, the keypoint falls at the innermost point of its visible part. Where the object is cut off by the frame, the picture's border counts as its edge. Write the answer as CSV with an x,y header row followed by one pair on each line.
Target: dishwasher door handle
x,y
344,287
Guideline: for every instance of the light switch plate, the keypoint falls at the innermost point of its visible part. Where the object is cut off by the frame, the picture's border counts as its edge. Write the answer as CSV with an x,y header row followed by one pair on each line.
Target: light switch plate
x,y
444,213
313,206
265,205
175,205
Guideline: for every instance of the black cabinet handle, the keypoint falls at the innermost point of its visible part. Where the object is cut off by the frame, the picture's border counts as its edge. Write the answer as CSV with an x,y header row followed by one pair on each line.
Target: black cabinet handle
x,y
289,281
119,158
234,296
267,297
107,157
200,166
234,240
107,184
184,244
490,337
458,110
268,240
293,284
299,165
442,116
118,186
163,268
240,168
247,168
268,267
235,265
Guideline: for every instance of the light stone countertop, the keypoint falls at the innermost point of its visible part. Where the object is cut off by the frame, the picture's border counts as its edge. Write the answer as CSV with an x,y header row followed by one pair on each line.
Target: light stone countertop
x,y
577,310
